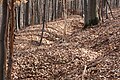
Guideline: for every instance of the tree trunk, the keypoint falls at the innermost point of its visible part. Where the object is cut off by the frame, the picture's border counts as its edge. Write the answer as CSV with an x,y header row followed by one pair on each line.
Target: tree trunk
x,y
86,21
10,57
17,13
52,16
27,14
55,9
32,12
38,12
90,16
2,40
82,11
19,10
43,18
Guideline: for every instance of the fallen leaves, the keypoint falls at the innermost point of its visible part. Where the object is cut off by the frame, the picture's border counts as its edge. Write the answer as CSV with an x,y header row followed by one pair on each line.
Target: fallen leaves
x,y
57,59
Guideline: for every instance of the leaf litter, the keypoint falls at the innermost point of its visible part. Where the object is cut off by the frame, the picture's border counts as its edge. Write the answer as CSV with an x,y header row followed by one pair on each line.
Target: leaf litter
x,y
97,48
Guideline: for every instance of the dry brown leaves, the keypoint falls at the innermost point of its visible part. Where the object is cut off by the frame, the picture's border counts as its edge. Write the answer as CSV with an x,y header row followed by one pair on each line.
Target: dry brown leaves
x,y
98,48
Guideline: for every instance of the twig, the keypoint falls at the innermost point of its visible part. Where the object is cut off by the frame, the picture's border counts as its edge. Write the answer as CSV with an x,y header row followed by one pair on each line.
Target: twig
x,y
84,72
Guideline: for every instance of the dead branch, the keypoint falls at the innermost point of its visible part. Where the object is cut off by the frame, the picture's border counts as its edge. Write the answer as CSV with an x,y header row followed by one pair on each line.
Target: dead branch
x,y
84,72
54,29
98,60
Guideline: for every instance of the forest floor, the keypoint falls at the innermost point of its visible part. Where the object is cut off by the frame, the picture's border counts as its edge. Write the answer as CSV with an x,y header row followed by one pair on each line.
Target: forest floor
x,y
89,54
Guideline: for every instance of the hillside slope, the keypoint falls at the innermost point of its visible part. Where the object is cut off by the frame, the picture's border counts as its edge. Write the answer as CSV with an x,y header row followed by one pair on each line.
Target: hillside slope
x,y
57,58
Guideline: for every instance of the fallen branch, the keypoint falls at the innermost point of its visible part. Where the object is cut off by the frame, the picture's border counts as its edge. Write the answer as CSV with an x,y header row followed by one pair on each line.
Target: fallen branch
x,y
99,59
54,29
84,72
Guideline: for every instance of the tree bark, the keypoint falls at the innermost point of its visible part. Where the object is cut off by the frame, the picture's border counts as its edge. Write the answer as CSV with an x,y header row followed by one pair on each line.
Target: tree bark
x,y
44,8
52,16
10,57
27,14
2,40
90,16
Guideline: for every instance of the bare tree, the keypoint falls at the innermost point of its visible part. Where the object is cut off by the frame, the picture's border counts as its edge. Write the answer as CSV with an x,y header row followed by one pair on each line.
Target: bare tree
x,y
91,15
27,14
11,42
44,8
2,40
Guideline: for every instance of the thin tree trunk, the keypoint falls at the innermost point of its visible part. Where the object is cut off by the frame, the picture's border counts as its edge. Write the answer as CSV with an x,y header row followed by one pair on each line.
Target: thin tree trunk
x,y
48,10
55,9
27,14
82,7
52,17
65,18
86,13
11,42
16,18
110,9
2,41
32,12
38,12
19,9
44,8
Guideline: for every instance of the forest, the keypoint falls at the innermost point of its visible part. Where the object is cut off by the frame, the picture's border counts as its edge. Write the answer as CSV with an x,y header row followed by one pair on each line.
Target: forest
x,y
59,39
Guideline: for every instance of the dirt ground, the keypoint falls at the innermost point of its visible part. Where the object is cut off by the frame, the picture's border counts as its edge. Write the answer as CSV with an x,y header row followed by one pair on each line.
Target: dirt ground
x,y
82,54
